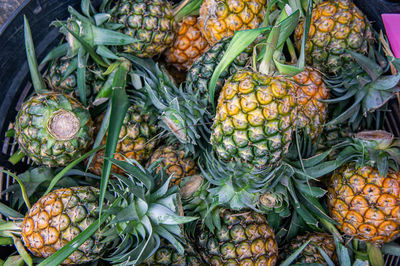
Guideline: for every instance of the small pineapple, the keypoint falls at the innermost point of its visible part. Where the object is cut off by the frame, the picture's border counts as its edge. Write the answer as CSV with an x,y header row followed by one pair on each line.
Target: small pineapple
x,y
221,18
62,77
336,25
59,217
310,90
311,253
243,239
188,46
175,162
151,22
255,118
53,129
136,140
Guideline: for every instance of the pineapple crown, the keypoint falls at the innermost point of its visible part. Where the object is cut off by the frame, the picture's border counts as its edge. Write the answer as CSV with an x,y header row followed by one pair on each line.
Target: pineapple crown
x,y
375,148
181,113
363,88
147,211
293,189
87,38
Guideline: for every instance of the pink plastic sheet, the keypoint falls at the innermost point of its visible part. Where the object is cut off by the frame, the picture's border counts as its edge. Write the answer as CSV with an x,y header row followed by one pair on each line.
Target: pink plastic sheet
x,y
392,26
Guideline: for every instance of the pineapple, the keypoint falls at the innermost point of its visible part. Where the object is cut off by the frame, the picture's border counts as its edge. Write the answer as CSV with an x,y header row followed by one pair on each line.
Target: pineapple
x,y
53,129
227,237
188,46
336,25
167,255
311,253
136,140
310,90
366,204
200,73
363,195
152,23
58,217
62,77
175,162
255,118
220,18
244,239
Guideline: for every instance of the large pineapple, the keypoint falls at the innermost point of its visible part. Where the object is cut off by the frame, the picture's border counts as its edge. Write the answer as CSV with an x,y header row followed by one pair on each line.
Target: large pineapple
x,y
310,90
62,77
221,18
53,129
311,253
188,46
167,255
59,217
243,239
255,118
137,140
175,162
336,25
366,204
201,71
151,22
364,196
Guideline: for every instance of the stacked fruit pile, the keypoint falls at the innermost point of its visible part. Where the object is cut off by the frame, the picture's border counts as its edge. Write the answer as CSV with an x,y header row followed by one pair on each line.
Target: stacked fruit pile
x,y
212,132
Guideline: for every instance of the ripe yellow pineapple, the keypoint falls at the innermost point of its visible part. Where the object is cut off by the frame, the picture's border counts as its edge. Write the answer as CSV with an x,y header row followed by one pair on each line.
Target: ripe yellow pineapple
x,y
221,18
59,217
336,25
366,204
254,119
310,90
188,46
175,162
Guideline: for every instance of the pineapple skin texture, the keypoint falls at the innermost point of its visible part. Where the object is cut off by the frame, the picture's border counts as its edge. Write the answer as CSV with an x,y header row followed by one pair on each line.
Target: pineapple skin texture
x,y
310,90
167,255
34,136
310,253
221,18
136,141
151,22
365,204
58,217
255,118
188,46
336,25
55,78
200,73
174,162
244,239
